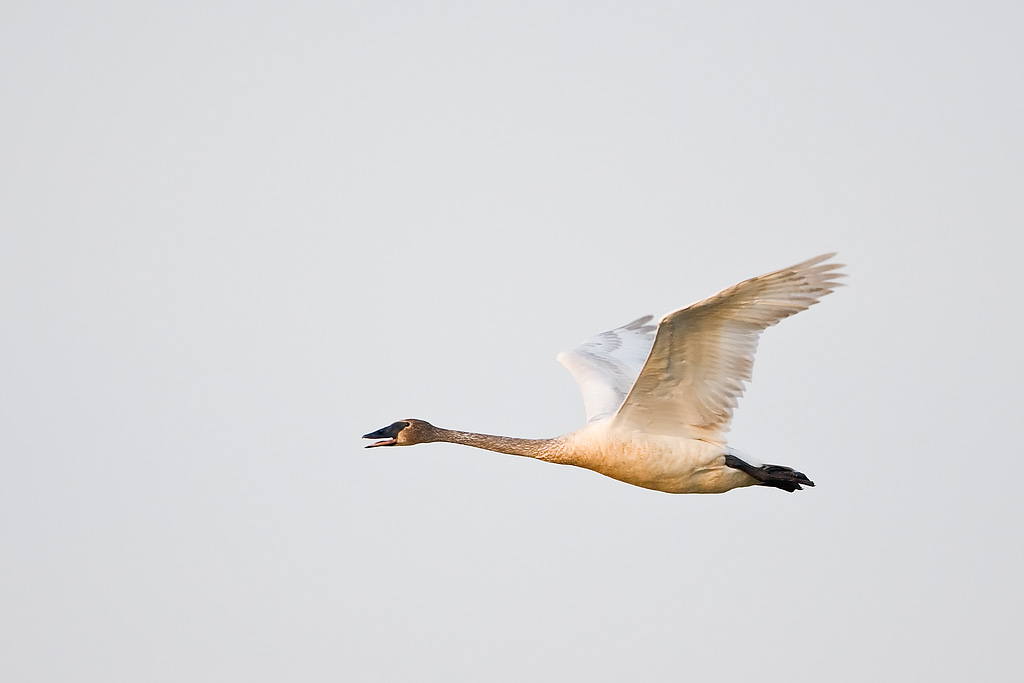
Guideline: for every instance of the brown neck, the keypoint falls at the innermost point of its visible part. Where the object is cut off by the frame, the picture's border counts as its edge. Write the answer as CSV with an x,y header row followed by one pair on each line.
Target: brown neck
x,y
542,449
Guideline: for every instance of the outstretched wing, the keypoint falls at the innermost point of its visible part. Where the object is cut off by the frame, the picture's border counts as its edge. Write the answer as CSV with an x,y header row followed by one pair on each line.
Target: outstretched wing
x,y
703,354
606,365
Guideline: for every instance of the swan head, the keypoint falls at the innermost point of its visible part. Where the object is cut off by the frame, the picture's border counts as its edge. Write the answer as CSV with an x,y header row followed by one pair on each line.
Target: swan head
x,y
403,433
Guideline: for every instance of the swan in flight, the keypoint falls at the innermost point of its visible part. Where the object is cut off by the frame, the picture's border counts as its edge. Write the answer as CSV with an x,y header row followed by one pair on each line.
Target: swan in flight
x,y
659,398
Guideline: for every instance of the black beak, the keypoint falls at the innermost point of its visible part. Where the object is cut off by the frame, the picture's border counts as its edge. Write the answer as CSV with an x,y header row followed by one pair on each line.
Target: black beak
x,y
389,434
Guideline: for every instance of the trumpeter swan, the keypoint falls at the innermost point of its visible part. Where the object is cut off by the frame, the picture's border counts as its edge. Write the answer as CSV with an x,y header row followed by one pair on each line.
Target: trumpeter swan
x,y
659,399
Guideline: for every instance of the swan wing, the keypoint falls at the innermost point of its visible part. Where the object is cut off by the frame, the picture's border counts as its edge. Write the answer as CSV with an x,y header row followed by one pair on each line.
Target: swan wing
x,y
606,365
704,353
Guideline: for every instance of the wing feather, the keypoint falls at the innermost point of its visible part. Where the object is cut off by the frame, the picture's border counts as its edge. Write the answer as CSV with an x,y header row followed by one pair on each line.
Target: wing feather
x,y
703,354
606,365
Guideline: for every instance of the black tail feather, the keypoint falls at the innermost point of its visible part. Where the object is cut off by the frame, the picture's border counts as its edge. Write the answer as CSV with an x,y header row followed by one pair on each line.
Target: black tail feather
x,y
785,478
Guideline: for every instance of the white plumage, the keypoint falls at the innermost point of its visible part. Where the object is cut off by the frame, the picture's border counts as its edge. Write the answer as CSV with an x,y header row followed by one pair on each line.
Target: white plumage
x,y
606,365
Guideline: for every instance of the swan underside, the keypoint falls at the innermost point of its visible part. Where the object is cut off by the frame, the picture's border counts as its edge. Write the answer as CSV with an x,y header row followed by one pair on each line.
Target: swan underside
x,y
779,476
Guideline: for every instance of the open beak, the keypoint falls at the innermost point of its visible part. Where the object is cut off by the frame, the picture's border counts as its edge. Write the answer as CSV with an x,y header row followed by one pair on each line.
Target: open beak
x,y
385,442
389,434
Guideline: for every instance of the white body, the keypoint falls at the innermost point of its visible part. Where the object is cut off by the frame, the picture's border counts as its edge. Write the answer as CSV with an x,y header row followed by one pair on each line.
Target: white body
x,y
653,461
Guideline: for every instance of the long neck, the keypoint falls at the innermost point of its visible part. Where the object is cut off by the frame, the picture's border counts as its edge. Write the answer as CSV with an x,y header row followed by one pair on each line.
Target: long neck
x,y
542,449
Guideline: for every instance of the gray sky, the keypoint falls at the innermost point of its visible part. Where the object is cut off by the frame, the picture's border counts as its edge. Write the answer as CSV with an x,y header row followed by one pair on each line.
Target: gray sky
x,y
234,237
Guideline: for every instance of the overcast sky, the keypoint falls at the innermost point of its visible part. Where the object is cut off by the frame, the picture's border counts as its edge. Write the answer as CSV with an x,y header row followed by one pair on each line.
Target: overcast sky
x,y
236,236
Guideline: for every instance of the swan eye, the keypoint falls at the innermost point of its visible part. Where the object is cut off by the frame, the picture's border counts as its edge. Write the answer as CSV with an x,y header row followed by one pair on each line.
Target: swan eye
x,y
389,434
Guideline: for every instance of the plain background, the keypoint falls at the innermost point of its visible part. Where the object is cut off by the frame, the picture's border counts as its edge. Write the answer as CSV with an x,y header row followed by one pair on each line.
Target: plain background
x,y
236,236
